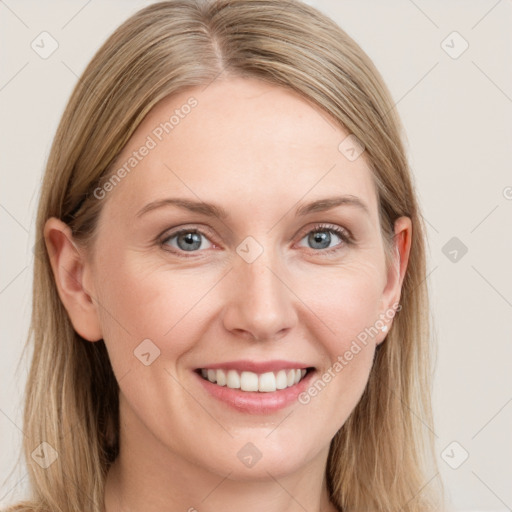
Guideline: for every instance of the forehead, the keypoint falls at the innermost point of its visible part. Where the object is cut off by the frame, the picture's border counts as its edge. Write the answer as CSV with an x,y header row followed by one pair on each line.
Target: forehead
x,y
238,142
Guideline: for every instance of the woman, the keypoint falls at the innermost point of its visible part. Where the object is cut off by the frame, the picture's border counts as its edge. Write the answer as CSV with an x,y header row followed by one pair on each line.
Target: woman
x,y
230,307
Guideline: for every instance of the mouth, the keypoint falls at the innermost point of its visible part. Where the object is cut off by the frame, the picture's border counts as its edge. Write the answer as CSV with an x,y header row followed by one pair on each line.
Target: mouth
x,y
255,387
248,381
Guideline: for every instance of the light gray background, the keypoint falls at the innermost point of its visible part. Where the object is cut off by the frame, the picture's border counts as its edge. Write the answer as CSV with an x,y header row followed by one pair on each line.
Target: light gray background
x,y
456,112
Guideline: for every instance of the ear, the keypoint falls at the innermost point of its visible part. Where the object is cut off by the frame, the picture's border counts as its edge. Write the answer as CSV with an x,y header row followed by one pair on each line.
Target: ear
x,y
69,265
396,272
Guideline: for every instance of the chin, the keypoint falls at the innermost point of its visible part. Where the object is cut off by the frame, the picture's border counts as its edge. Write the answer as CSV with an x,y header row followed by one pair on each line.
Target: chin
x,y
260,460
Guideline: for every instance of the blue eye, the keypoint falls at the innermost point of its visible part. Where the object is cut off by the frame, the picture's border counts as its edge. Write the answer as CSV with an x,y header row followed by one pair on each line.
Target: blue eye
x,y
321,237
188,240
192,240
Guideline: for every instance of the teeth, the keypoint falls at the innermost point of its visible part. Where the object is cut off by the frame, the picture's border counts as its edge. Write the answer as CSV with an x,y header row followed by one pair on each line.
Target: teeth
x,y
233,379
249,381
267,382
281,380
221,378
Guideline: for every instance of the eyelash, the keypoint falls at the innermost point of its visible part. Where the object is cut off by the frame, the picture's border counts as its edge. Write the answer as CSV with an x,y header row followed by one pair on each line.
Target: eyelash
x,y
342,233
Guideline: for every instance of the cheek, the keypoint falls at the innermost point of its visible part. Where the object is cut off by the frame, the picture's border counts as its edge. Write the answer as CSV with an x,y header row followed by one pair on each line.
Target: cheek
x,y
347,303
346,299
149,302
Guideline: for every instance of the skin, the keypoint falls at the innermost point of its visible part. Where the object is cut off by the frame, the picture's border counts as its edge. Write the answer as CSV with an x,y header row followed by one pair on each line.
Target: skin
x,y
258,151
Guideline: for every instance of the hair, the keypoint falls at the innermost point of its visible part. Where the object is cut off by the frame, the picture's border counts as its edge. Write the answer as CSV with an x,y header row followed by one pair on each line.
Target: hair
x,y
383,457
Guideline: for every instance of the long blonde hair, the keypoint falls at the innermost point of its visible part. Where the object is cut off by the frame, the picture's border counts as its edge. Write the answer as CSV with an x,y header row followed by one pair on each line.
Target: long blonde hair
x,y
382,458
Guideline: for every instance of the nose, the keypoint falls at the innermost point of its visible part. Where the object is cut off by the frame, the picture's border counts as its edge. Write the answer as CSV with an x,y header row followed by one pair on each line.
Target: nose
x,y
260,305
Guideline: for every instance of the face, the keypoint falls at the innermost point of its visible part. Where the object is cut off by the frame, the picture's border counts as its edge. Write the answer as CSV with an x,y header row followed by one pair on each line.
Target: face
x,y
269,282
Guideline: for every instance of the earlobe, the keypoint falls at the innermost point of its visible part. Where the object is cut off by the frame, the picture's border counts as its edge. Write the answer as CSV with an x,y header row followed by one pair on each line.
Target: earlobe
x,y
68,265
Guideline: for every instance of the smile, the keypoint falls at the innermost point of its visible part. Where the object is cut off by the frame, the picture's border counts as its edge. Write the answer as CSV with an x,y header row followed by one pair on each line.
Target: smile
x,y
267,382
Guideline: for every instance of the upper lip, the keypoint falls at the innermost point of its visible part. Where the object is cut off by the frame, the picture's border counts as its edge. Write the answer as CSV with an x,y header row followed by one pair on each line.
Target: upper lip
x,y
257,367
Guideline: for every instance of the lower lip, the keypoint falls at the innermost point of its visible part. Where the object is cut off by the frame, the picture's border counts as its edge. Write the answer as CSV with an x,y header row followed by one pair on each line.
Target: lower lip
x,y
256,402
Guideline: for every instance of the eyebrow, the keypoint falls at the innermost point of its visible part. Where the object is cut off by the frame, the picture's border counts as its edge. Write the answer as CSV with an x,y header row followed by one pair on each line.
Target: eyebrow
x,y
212,210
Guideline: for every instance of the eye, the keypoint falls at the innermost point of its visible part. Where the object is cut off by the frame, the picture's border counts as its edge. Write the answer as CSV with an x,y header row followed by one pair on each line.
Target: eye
x,y
188,240
321,237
